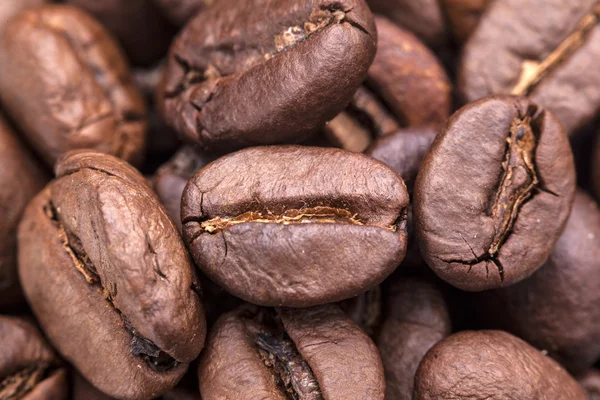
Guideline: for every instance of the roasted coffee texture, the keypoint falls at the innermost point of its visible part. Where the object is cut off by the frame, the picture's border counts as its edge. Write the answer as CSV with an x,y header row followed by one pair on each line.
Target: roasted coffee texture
x,y
557,309
101,263
21,178
494,193
66,84
463,16
416,318
283,225
234,80
180,11
29,369
302,354
492,365
550,58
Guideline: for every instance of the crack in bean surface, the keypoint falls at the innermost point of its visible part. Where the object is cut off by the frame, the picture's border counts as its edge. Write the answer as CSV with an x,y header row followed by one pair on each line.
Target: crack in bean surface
x,y
20,383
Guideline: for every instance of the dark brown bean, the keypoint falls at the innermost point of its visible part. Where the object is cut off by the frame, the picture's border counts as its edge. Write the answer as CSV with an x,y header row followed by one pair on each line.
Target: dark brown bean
x,y
234,81
101,263
415,320
181,11
21,179
29,369
494,193
314,353
491,365
65,83
283,225
463,16
557,309
591,383
547,50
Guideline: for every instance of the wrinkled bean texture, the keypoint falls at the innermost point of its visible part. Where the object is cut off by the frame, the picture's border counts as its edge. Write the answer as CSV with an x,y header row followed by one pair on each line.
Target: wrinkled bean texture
x,y
557,309
416,319
66,84
140,27
491,365
29,369
551,59
101,262
281,225
313,353
21,178
233,81
422,17
494,193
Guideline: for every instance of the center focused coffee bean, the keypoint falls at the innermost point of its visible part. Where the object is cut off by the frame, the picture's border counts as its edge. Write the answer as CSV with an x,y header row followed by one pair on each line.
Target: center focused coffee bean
x,y
494,193
235,79
296,226
552,59
29,369
306,354
66,84
102,264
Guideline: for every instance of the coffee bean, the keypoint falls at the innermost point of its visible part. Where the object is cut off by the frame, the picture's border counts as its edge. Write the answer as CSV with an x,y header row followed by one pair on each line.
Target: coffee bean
x,y
406,87
494,193
139,25
171,178
404,151
596,169
416,318
313,353
551,58
234,80
180,11
65,83
21,178
29,369
422,17
557,309
102,264
493,365
463,16
295,226
11,8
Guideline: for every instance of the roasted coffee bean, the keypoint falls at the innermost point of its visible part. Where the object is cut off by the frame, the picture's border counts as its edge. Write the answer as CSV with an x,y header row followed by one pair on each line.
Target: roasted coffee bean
x,y
406,87
10,8
102,264
171,178
21,179
365,310
139,25
29,369
65,83
180,11
422,17
591,383
494,193
557,309
596,169
235,80
313,353
463,16
547,50
491,365
416,318
295,226
404,151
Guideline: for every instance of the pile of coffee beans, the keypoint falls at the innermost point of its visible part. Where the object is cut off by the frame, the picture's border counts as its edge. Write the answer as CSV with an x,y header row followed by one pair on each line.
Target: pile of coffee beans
x,y
299,199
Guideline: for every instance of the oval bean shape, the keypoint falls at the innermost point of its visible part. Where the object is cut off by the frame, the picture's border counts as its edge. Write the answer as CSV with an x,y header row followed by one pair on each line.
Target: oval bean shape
x,y
66,84
552,59
101,263
309,354
494,193
491,365
235,80
295,226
